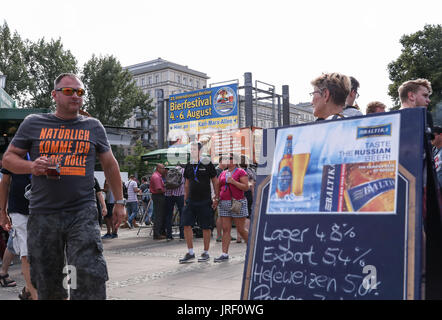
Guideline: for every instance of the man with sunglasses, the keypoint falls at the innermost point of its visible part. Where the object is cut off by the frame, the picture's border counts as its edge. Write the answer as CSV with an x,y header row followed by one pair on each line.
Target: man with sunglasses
x,y
62,225
199,206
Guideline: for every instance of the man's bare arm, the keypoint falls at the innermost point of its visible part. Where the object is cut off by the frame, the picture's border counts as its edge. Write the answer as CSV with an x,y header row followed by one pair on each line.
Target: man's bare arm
x,y
14,161
215,183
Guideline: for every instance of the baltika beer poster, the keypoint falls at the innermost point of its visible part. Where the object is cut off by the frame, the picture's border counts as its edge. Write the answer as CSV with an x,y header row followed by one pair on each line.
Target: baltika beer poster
x,y
336,167
206,110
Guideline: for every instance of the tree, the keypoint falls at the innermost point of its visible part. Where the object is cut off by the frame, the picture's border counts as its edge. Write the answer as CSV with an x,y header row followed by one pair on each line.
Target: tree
x,y
31,67
12,64
421,57
46,61
111,93
133,163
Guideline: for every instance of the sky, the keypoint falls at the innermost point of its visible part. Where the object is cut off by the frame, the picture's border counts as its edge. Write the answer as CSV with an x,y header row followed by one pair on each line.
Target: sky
x,y
280,42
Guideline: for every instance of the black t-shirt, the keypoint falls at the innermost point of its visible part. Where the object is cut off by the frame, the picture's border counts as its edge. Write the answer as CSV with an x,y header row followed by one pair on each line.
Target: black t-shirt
x,y
199,188
17,203
75,143
144,186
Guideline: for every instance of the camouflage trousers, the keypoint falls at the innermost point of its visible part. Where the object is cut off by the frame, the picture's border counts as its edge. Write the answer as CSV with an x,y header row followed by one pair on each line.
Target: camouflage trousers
x,y
65,252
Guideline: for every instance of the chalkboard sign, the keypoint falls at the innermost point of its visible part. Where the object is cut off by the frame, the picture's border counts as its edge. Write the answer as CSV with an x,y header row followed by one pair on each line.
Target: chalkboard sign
x,y
338,211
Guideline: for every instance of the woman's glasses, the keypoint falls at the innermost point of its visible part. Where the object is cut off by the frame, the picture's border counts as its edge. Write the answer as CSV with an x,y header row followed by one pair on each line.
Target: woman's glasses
x,y
70,91
317,91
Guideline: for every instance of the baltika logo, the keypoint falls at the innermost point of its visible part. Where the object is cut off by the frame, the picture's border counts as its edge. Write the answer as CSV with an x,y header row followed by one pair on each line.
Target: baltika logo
x,y
375,131
224,101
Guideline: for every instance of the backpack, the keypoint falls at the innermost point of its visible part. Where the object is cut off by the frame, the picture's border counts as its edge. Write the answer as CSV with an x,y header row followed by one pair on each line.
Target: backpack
x,y
173,179
125,195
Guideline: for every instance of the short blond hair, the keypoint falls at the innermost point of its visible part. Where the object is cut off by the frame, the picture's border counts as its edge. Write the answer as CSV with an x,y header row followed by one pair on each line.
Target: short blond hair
x,y
337,84
372,106
413,86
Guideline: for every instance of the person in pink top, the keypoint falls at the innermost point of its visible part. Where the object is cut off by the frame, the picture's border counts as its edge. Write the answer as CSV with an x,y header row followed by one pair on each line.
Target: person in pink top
x,y
233,182
157,189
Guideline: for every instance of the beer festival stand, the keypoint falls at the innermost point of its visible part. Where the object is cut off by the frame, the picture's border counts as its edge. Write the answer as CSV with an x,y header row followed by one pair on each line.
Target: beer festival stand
x,y
346,210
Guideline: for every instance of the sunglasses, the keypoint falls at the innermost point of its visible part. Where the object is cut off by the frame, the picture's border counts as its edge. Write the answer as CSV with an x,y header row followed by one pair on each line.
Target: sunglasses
x,y
70,91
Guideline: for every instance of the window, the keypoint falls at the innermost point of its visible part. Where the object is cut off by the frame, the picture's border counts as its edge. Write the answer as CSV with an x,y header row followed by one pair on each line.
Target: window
x,y
157,78
185,81
191,82
197,84
142,81
178,78
150,80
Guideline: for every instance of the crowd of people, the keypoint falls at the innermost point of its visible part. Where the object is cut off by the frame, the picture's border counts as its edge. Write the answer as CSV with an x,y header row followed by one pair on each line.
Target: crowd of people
x,y
334,95
202,196
58,208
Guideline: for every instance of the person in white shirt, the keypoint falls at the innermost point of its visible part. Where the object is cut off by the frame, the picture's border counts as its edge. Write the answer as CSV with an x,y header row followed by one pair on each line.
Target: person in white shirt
x,y
132,201
350,109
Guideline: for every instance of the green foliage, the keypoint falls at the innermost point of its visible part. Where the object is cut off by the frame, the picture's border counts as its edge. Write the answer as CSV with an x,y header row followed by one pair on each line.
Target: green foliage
x,y
133,163
118,152
112,95
421,57
12,63
46,61
31,68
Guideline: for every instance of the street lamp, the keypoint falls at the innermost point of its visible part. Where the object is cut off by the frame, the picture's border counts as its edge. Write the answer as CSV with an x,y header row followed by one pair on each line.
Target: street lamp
x,y
2,80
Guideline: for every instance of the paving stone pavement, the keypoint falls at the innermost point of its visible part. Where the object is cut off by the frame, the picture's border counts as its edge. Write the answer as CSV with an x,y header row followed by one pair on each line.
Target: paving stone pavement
x,y
141,268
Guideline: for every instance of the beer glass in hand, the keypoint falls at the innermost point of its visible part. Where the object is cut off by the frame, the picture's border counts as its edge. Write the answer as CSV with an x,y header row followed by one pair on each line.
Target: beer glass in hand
x,y
53,171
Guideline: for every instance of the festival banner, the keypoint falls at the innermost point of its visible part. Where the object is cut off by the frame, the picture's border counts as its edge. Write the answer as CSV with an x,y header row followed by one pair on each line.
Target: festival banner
x,y
206,110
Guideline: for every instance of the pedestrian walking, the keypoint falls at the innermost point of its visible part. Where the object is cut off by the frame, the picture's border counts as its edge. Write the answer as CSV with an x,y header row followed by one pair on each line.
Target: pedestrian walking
x,y
101,204
245,165
174,195
157,190
219,227
63,147
110,218
132,201
199,205
233,182
145,198
12,196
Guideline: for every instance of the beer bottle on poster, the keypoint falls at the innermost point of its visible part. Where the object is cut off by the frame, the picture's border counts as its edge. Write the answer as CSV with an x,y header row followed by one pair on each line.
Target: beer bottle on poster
x,y
284,184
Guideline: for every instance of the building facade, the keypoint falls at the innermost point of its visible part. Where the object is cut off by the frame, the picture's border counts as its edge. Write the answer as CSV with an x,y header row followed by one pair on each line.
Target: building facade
x,y
264,115
173,78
